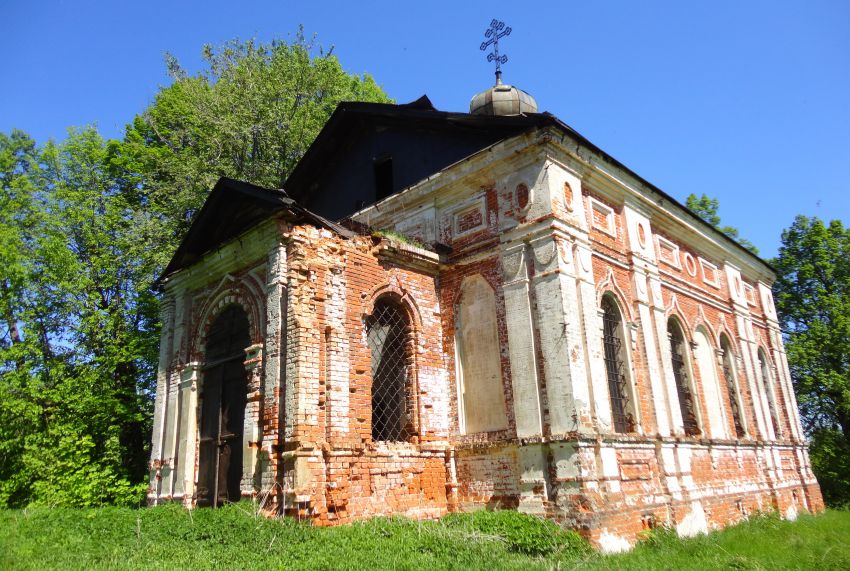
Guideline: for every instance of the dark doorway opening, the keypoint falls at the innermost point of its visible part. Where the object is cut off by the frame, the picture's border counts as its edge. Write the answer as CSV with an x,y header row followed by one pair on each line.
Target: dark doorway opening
x,y
223,399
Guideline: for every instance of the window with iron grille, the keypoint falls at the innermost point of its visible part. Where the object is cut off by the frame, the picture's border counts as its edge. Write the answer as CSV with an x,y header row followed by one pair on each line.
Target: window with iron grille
x,y
680,373
729,377
388,337
768,388
612,341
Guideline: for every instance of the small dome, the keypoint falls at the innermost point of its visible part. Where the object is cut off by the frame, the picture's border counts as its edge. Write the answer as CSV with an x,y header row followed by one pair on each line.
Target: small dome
x,y
502,99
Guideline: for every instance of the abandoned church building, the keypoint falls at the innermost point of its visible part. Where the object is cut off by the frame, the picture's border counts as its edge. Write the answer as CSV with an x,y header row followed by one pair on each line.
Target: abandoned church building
x,y
451,311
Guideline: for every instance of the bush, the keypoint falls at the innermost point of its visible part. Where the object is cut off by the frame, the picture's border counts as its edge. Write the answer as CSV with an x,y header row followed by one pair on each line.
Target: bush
x,y
830,456
521,533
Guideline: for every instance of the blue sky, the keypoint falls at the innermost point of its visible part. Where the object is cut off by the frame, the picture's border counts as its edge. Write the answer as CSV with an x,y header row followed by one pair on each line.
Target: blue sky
x,y
748,102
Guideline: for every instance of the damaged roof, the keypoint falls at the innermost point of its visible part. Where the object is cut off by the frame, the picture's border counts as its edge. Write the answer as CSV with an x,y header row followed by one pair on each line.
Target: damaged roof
x,y
232,207
371,131
351,117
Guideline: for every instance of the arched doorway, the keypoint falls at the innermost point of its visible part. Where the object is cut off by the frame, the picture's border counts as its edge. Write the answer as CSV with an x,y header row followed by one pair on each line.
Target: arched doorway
x,y
223,399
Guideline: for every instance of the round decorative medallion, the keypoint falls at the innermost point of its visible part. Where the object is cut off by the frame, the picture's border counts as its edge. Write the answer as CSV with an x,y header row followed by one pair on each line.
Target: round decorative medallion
x,y
568,196
690,264
522,195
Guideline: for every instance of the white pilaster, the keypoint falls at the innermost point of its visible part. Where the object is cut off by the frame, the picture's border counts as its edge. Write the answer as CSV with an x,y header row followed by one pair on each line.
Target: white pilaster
x,y
521,347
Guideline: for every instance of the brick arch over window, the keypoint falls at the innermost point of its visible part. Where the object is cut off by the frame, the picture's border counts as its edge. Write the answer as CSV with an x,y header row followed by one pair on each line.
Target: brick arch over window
x,y
681,373
481,396
610,287
730,378
230,291
767,382
390,338
620,391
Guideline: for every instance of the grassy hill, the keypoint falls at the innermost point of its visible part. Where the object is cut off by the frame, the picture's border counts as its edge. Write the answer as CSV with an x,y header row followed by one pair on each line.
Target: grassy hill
x,y
234,537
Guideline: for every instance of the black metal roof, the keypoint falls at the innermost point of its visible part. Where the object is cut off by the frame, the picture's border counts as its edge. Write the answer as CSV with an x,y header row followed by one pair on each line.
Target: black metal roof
x,y
352,116
232,207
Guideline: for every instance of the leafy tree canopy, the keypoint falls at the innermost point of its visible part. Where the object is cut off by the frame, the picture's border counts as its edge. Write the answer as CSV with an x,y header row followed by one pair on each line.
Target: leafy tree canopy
x,y
250,115
812,296
707,208
87,224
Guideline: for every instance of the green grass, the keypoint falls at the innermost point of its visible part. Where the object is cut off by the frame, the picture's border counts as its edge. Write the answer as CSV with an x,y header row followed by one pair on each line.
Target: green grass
x,y
233,537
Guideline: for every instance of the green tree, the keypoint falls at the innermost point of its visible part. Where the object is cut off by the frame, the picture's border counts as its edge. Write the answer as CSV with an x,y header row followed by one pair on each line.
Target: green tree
x,y
707,208
20,342
74,412
250,115
812,294
87,224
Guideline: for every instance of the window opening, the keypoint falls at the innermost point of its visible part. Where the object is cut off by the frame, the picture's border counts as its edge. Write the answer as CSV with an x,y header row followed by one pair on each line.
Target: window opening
x,y
771,403
383,177
615,368
680,373
729,377
387,333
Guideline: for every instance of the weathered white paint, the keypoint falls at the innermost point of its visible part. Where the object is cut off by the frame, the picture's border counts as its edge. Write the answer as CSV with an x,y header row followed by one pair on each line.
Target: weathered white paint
x,y
480,367
710,385
694,523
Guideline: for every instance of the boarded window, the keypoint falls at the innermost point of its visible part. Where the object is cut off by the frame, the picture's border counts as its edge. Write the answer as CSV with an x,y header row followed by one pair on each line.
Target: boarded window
x,y
767,379
388,337
680,373
612,342
481,394
731,385
706,362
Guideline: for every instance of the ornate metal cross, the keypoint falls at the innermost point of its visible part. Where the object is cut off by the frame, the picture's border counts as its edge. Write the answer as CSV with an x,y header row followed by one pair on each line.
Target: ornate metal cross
x,y
496,30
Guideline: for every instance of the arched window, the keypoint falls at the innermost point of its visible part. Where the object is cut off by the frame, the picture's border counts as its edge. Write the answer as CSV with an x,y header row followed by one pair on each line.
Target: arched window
x,y
678,360
731,385
618,389
767,379
388,337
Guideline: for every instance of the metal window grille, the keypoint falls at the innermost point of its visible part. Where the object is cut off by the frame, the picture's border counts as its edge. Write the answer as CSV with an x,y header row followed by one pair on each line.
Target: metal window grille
x,y
614,366
680,373
730,388
388,337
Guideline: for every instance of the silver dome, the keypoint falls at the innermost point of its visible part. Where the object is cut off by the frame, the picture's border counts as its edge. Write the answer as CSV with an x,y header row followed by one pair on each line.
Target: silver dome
x,y
502,99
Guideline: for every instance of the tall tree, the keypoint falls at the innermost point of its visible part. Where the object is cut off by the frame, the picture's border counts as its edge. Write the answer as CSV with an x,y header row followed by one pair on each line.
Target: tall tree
x,y
812,295
251,115
707,208
73,408
87,224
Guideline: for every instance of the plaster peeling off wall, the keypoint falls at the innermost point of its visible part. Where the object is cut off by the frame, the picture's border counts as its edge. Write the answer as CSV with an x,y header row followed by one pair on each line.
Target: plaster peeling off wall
x,y
480,374
694,523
